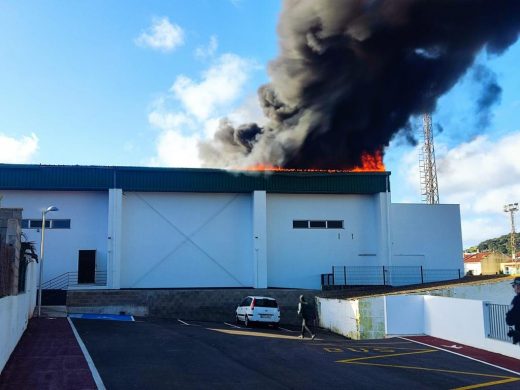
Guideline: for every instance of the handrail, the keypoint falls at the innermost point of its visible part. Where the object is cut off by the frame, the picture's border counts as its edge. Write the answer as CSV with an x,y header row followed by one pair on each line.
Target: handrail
x,y
70,279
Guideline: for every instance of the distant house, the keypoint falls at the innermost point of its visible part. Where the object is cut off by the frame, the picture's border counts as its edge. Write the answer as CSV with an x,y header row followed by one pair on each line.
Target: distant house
x,y
484,263
511,267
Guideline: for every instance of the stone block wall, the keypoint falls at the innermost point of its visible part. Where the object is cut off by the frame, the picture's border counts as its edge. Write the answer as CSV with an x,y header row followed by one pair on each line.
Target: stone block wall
x,y
10,230
190,304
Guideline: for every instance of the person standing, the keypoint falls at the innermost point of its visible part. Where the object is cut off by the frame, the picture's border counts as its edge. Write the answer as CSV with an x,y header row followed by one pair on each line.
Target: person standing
x,y
304,311
513,315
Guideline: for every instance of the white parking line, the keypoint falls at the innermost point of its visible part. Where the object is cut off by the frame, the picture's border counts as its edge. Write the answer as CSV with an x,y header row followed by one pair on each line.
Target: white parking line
x,y
288,330
182,322
90,362
233,326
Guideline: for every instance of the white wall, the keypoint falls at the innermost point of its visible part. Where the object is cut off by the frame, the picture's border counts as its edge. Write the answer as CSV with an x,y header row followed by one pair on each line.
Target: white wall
x,y
494,291
404,314
457,320
88,212
15,312
341,316
358,319
475,268
427,235
462,321
297,257
186,240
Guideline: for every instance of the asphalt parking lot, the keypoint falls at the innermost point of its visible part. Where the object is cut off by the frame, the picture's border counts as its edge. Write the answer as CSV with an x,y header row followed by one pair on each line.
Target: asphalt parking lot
x,y
166,354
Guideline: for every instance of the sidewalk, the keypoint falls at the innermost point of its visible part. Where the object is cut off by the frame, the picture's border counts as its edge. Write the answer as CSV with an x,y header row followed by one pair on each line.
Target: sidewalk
x,y
47,357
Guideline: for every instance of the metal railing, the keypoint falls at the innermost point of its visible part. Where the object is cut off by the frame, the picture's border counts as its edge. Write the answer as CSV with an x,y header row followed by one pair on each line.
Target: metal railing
x,y
70,279
497,322
386,276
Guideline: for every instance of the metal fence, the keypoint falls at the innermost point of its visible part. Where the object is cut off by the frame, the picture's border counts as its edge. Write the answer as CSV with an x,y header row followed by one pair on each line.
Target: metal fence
x,y
386,276
497,322
70,279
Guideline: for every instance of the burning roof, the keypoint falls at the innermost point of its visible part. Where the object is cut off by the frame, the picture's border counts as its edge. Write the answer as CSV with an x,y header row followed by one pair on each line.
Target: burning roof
x,y
352,73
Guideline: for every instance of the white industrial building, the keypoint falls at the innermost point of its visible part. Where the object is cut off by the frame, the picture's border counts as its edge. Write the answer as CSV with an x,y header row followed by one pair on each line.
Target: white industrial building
x,y
146,228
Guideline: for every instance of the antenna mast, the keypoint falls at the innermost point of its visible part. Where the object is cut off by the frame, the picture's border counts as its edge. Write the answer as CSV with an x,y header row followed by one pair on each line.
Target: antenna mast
x,y
511,209
429,187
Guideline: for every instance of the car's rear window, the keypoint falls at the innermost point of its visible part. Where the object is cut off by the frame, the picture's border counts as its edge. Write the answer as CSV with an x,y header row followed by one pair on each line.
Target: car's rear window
x,y
265,303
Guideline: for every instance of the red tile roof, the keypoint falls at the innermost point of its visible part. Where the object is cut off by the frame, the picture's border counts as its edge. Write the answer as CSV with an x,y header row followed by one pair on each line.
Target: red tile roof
x,y
476,257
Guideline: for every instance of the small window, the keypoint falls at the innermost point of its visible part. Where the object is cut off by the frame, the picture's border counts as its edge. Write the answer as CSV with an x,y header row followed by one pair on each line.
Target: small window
x,y
318,224
37,224
49,224
334,224
61,223
300,224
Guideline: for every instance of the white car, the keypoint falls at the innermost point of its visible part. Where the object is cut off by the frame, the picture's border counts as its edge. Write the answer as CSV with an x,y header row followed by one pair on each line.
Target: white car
x,y
258,309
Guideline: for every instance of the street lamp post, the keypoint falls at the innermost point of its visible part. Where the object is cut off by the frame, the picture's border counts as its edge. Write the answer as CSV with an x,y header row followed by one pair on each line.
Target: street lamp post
x,y
44,213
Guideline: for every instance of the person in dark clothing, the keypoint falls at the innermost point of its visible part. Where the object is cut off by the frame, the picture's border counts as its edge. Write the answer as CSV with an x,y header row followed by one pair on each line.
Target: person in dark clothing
x,y
304,311
513,315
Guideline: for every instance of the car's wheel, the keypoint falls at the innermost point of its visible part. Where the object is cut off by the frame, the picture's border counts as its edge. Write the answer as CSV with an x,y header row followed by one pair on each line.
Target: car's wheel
x,y
246,321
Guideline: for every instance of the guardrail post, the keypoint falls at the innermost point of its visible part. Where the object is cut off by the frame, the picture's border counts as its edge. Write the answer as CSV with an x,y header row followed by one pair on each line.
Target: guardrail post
x,y
384,276
345,275
459,272
422,276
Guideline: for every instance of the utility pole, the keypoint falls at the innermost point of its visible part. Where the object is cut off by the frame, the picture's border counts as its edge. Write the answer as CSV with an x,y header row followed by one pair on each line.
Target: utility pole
x,y
512,208
429,186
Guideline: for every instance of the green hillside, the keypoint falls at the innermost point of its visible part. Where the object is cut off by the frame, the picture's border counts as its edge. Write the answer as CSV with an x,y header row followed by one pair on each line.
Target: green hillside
x,y
499,244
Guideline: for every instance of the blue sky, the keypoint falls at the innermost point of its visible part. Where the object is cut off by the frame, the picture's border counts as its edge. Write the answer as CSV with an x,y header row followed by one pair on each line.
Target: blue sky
x,y
140,83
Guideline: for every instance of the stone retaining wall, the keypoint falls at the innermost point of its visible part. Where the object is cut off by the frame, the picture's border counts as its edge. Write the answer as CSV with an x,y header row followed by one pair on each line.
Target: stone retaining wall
x,y
199,305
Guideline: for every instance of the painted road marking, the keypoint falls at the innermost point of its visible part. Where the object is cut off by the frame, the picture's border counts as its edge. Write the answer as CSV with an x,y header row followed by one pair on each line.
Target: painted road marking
x,y
384,356
369,345
257,334
465,356
93,370
362,361
486,384
182,322
504,379
233,326
341,348
454,346
334,350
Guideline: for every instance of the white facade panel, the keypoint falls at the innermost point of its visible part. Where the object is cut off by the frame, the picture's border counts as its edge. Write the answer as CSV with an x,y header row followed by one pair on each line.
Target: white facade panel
x,y
297,257
409,321
426,235
186,240
88,214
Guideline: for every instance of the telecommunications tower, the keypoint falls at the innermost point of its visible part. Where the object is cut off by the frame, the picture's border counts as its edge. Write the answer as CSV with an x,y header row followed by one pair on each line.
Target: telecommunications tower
x,y
429,187
511,208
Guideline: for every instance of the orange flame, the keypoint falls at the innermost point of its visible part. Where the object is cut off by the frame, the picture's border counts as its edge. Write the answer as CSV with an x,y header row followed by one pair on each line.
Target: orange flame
x,y
369,163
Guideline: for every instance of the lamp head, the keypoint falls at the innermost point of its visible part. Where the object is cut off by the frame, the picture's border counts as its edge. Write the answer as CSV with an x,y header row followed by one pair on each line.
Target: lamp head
x,y
51,208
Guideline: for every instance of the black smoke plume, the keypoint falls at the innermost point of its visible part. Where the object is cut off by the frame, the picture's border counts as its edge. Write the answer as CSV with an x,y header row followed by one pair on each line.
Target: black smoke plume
x,y
491,93
351,73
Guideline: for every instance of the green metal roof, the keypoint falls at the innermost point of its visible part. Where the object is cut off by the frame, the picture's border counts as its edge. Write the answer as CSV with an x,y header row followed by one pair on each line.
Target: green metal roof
x,y
97,178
